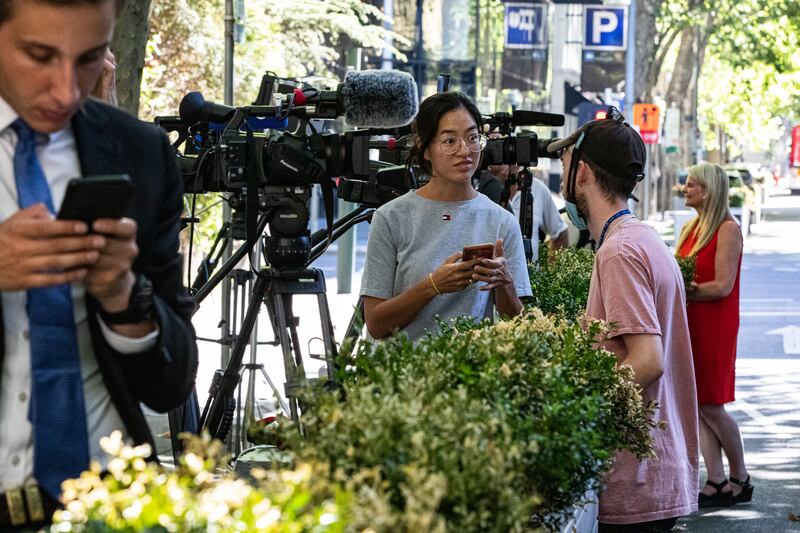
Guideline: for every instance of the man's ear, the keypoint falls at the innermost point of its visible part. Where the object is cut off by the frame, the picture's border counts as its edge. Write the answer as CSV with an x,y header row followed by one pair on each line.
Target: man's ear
x,y
584,176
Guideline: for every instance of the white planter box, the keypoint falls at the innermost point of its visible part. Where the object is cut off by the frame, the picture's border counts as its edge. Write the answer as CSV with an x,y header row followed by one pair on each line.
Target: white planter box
x,y
585,518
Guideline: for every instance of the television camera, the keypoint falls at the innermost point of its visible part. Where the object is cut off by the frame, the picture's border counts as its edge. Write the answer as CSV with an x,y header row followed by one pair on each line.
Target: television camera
x,y
277,151
267,157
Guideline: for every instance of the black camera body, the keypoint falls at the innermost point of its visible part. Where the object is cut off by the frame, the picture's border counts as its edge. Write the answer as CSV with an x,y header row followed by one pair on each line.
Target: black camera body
x,y
523,150
278,152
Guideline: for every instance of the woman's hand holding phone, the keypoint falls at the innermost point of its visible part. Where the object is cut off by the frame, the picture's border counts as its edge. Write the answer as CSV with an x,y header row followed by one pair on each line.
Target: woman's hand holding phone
x,y
493,271
454,274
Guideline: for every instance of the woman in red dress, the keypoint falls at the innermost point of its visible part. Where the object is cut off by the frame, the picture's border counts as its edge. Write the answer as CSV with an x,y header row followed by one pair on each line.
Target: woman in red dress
x,y
715,239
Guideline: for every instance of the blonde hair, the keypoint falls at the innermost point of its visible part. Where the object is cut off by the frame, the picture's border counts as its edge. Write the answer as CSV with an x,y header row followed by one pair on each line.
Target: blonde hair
x,y
714,210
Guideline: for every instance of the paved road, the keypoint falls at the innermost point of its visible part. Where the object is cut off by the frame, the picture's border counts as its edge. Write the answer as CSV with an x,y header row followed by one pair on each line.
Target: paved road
x,y
768,378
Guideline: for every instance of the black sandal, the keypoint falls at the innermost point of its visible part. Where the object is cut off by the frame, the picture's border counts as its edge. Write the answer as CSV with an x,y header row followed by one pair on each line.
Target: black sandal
x,y
718,499
747,490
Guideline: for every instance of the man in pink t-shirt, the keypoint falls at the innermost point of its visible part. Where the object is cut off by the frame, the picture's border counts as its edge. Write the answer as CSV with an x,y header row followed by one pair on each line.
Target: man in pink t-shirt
x,y
637,286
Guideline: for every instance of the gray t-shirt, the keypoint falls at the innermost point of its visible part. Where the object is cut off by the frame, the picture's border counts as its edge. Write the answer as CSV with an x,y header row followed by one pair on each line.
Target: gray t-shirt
x,y
411,236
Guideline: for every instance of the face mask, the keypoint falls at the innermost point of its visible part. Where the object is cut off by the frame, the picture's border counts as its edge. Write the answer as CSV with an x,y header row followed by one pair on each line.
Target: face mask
x,y
575,216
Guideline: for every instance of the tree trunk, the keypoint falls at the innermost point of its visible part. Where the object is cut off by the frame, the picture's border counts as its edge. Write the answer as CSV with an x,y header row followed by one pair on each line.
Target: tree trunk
x,y
129,45
646,32
682,92
683,86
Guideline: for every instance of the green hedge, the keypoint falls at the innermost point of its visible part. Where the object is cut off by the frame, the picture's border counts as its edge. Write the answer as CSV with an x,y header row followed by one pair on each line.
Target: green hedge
x,y
487,427
560,281
483,428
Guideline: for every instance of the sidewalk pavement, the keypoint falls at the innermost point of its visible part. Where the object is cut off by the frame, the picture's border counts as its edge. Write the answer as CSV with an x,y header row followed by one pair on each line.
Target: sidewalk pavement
x,y
767,396
767,378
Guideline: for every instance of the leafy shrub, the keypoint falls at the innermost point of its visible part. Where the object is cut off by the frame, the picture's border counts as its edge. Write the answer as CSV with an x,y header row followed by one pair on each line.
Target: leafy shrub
x,y
736,198
197,497
485,428
560,281
687,265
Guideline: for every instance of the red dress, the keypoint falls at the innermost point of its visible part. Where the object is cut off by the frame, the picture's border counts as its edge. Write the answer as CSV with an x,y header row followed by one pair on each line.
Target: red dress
x,y
713,326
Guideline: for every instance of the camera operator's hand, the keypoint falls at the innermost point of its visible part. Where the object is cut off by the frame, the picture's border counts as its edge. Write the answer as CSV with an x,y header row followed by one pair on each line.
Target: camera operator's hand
x,y
39,251
493,272
453,275
498,171
110,279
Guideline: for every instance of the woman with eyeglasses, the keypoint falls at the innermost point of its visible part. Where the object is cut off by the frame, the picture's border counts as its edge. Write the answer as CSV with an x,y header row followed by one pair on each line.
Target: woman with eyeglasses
x,y
715,240
414,268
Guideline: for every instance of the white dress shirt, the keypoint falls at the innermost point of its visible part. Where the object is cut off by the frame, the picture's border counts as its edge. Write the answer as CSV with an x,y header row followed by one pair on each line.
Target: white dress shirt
x,y
59,160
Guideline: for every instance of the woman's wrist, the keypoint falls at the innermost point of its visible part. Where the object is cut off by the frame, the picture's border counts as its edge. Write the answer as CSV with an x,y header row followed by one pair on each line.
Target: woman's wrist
x,y
433,285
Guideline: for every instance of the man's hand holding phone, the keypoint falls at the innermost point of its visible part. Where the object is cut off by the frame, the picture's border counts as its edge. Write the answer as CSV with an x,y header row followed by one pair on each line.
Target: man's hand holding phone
x,y
40,252
101,203
110,279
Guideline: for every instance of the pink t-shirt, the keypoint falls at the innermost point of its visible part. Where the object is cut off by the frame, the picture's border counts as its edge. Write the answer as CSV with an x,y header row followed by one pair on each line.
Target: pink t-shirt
x,y
637,284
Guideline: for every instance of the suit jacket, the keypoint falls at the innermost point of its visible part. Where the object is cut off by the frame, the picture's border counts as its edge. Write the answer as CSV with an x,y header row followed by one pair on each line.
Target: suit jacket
x,y
110,141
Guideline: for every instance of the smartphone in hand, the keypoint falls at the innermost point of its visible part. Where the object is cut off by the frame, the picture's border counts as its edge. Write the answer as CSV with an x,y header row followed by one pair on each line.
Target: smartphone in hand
x,y
485,251
93,197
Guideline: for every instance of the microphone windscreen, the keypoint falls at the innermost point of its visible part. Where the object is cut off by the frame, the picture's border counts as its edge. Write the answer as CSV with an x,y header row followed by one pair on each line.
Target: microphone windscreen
x,y
379,98
190,107
521,117
194,109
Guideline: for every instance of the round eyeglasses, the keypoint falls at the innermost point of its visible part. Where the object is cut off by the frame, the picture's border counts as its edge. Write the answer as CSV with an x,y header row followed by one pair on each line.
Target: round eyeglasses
x,y
450,144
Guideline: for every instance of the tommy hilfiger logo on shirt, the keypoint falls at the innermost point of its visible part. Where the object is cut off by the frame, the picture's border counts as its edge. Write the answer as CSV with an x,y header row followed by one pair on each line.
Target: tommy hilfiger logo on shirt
x,y
446,217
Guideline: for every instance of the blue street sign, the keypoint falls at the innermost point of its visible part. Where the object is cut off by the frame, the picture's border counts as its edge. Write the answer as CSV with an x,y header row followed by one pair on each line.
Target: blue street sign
x,y
605,27
525,25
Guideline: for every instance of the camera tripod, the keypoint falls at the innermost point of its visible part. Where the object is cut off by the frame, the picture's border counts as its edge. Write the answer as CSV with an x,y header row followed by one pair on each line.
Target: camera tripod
x,y
523,180
275,288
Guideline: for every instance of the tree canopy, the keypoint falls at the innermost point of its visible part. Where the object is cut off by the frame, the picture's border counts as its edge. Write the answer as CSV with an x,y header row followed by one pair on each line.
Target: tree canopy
x,y
304,38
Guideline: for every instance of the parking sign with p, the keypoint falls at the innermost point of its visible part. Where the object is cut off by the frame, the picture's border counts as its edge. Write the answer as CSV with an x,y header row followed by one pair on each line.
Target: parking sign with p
x,y
605,27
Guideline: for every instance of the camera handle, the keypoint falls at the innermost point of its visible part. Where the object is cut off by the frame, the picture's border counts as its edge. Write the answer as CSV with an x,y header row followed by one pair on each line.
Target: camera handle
x,y
524,180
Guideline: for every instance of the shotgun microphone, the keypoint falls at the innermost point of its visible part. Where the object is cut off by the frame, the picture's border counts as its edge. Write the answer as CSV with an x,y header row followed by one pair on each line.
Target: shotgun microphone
x,y
521,117
368,99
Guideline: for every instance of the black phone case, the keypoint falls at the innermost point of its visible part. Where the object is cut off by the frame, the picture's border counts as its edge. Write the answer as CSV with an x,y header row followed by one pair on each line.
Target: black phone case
x,y
93,197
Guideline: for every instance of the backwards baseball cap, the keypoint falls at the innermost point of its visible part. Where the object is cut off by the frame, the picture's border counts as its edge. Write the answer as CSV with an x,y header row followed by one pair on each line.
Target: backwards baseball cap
x,y
611,144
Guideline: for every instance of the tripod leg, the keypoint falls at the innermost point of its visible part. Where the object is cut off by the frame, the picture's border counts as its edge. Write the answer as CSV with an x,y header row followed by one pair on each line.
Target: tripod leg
x,y
356,321
250,400
278,397
293,381
327,336
230,378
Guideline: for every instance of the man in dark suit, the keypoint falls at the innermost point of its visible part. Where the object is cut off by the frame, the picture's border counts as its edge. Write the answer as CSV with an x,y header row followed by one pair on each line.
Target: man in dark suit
x,y
95,320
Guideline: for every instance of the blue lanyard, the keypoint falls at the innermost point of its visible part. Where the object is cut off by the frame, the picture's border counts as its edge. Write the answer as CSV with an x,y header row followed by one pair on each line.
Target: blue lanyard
x,y
614,217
